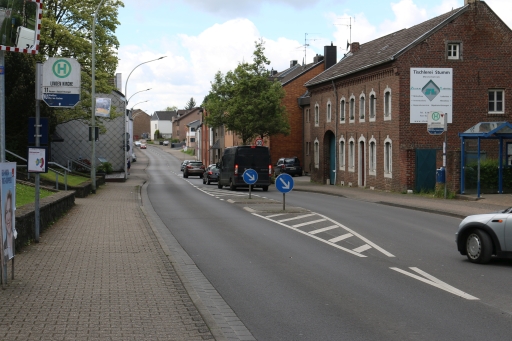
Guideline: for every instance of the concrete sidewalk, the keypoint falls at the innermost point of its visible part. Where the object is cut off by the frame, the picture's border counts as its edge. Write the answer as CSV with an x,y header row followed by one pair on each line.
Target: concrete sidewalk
x,y
99,273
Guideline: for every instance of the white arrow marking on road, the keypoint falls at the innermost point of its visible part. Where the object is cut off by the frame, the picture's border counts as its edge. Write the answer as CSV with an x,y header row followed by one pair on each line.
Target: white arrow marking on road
x,y
435,282
286,185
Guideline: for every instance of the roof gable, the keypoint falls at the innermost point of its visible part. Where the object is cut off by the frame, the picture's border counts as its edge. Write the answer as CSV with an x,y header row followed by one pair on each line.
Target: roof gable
x,y
386,48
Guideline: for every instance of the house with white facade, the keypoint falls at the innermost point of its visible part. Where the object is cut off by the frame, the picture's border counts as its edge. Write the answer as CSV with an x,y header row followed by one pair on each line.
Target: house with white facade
x,y
162,121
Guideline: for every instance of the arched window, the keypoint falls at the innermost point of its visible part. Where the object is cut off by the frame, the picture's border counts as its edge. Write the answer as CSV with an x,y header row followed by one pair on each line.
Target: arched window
x,y
373,102
388,158
352,108
342,154
317,115
372,157
362,107
387,104
342,110
317,154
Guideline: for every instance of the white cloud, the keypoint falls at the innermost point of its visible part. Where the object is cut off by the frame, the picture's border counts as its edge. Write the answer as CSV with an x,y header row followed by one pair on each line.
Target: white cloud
x,y
192,62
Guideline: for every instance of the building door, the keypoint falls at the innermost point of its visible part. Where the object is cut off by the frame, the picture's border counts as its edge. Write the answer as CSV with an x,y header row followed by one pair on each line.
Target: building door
x,y
425,170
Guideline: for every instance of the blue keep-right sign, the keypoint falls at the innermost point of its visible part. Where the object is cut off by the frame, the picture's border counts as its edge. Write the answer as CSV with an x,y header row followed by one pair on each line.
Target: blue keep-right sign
x,y
284,183
250,176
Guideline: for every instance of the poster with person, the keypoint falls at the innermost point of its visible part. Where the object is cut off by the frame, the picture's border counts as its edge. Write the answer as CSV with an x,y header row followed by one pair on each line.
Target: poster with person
x,y
7,208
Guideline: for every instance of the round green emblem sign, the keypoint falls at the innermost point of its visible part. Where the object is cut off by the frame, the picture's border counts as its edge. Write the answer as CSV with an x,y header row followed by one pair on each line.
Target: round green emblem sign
x,y
61,68
436,116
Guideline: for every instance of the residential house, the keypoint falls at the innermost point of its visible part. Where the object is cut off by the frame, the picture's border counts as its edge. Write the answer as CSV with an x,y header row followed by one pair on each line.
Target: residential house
x,y
182,119
162,121
191,137
141,124
293,80
368,127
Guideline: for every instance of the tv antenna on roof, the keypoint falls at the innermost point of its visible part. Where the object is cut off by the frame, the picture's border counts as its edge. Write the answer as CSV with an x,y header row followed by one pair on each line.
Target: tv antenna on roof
x,y
306,44
349,27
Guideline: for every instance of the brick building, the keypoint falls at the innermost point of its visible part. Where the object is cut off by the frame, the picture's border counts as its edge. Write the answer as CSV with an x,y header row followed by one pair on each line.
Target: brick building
x,y
365,129
293,80
181,119
141,124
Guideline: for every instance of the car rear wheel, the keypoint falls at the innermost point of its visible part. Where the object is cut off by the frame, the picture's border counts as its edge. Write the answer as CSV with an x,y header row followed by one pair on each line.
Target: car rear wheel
x,y
204,181
479,247
185,175
208,181
219,186
265,188
232,186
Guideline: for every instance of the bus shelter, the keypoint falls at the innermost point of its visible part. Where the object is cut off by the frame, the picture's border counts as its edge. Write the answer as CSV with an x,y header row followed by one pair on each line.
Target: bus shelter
x,y
484,131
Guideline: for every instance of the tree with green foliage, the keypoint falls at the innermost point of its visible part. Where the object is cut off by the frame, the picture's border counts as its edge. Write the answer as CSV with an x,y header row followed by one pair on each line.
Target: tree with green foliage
x,y
246,101
171,108
66,31
191,104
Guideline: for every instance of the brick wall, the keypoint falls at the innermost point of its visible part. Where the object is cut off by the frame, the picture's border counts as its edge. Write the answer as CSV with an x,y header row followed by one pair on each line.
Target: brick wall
x,y
141,123
485,64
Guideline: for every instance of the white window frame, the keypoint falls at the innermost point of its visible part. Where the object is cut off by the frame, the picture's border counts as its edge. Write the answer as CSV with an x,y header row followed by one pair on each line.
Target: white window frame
x,y
453,51
387,106
329,111
351,155
495,101
362,107
317,153
343,105
352,109
372,157
317,115
372,107
388,158
342,153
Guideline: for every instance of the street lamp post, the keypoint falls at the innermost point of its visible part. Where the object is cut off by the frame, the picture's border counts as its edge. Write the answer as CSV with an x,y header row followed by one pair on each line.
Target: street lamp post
x,y
138,103
93,106
128,100
126,83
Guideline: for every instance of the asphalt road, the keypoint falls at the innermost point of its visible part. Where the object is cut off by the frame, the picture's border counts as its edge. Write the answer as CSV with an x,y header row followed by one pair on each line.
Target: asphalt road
x,y
346,270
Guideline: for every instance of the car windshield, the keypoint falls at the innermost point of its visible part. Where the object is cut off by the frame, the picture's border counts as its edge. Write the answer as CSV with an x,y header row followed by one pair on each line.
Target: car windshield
x,y
289,162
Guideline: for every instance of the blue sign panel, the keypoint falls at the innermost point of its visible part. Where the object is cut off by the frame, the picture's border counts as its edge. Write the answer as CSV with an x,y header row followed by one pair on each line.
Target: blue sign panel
x,y
250,176
284,183
43,130
61,100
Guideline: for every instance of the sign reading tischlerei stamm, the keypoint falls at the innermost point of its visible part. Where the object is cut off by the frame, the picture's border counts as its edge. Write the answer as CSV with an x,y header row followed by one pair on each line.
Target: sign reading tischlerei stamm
x,y
431,90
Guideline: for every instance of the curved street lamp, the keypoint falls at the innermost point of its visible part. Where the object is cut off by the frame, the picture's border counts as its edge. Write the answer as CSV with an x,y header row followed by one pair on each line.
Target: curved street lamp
x,y
126,83
139,103
128,100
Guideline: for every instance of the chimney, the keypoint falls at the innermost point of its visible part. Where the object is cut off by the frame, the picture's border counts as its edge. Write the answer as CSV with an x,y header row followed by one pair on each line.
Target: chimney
x,y
354,47
467,2
293,63
318,58
330,56
273,72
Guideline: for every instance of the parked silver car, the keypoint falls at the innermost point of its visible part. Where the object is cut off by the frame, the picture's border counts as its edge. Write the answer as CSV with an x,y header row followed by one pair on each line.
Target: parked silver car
x,y
481,236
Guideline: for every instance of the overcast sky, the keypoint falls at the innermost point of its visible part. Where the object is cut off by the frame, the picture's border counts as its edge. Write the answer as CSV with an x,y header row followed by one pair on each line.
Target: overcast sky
x,y
201,37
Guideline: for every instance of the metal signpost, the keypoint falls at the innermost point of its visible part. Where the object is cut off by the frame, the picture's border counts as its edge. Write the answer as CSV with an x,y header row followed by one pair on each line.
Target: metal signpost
x,y
250,177
437,124
284,184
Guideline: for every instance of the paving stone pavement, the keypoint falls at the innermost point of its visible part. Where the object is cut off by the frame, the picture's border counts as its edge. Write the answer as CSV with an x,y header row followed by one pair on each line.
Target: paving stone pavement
x,y
99,273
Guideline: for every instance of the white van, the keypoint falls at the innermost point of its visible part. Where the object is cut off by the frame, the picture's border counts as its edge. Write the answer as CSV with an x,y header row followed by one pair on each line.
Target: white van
x,y
25,38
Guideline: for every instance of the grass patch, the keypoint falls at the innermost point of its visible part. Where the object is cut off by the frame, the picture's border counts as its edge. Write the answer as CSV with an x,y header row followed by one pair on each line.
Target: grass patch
x,y
27,194
73,179
189,151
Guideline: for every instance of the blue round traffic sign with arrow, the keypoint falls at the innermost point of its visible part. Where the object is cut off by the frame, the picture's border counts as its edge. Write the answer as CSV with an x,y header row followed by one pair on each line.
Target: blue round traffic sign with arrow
x,y
284,183
250,176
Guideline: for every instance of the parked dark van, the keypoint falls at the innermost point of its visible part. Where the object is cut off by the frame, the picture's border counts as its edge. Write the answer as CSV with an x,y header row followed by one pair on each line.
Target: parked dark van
x,y
237,159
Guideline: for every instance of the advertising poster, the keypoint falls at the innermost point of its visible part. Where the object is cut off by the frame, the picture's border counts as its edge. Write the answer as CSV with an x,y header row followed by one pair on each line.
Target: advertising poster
x,y
431,90
103,107
8,207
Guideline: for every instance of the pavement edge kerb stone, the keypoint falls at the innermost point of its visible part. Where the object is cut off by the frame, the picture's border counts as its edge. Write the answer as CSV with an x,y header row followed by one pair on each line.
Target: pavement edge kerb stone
x,y
205,313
